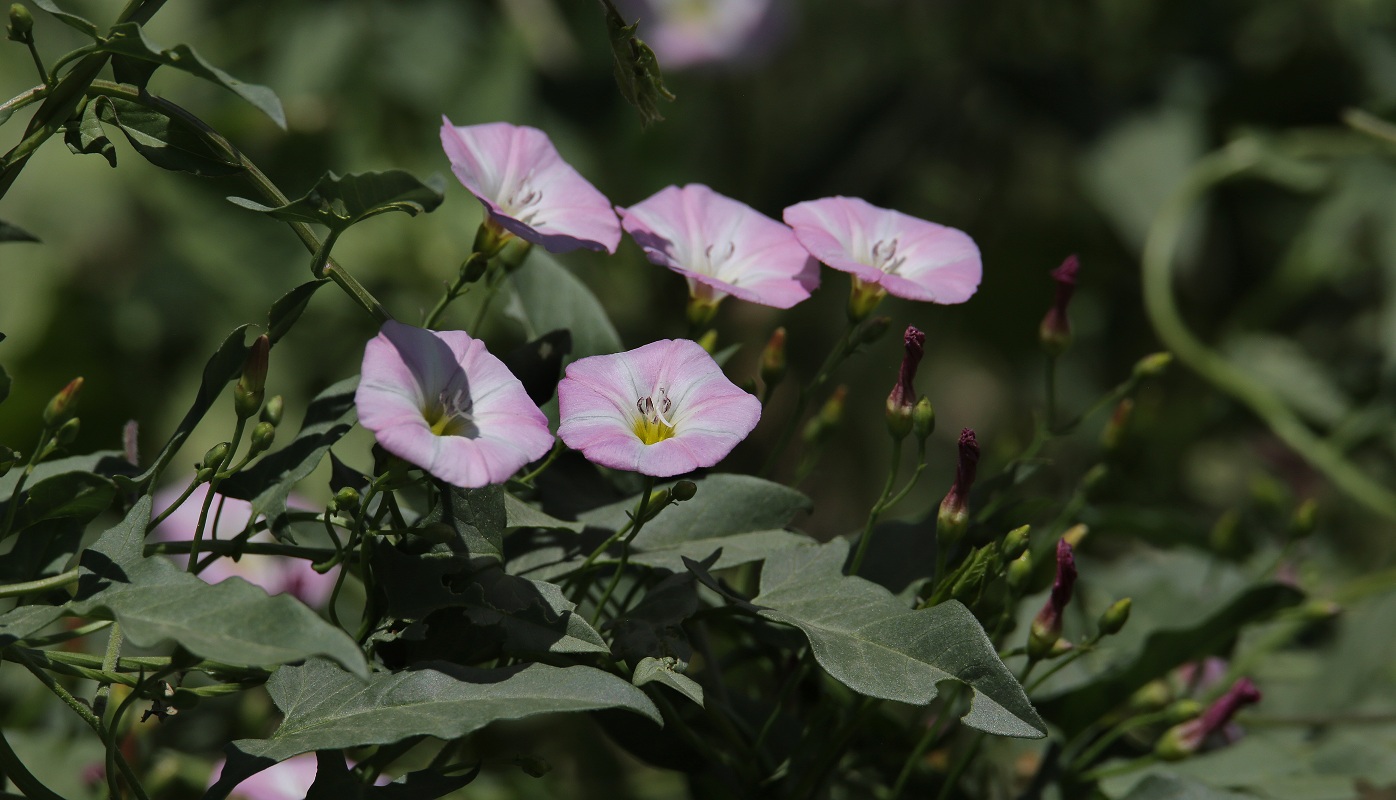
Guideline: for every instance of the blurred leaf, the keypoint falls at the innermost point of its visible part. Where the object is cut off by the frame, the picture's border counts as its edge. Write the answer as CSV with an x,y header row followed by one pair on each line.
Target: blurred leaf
x,y
327,708
87,137
167,142
77,23
662,671
233,621
636,68
129,39
80,495
1158,787
25,621
548,297
5,384
334,781
338,202
872,643
1163,650
1282,366
519,514
269,483
42,550
14,233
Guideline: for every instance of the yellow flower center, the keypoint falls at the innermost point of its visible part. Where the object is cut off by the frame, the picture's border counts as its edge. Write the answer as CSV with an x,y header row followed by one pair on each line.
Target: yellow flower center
x,y
450,415
653,426
652,432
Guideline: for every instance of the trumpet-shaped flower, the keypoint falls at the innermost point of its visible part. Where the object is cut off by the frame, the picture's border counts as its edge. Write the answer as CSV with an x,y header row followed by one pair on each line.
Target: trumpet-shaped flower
x,y
275,574
439,400
661,410
286,780
900,254
722,247
527,189
691,33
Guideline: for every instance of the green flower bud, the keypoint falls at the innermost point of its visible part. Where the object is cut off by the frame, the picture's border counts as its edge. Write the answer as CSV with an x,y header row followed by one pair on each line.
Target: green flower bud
x,y
871,331
1114,432
63,405
1184,710
1016,542
830,415
683,491
923,419
1094,478
1152,365
1305,519
473,268
262,437
1019,571
248,393
216,455
708,341
271,412
773,363
8,458
67,432
1150,697
21,27
346,501
1115,617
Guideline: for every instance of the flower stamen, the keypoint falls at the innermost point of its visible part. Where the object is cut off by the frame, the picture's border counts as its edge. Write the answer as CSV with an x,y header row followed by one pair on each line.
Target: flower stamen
x,y
653,426
884,256
451,416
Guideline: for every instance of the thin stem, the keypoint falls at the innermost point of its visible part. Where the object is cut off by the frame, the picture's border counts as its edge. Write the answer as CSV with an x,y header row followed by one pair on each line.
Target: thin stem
x,y
1062,663
1098,748
38,61
453,290
641,514
527,480
946,718
1050,375
193,566
159,518
842,349
109,663
67,636
494,278
22,99
878,507
42,449
1102,773
12,767
41,585
227,547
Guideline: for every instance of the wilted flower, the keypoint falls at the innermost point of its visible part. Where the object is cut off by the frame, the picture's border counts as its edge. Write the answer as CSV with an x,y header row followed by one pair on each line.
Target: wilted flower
x,y
1187,738
275,574
1047,625
286,780
690,33
527,189
722,247
661,410
887,251
439,400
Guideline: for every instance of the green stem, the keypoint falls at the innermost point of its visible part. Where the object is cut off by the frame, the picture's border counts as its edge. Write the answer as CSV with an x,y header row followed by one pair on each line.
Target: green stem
x,y
42,449
1102,773
527,480
193,566
878,507
109,663
453,290
1062,663
67,636
23,99
38,61
933,732
159,518
842,349
42,585
641,513
1051,390
226,547
1102,744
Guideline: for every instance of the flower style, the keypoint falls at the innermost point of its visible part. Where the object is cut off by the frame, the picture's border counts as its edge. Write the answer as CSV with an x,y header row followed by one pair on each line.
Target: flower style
x,y
439,400
664,409
722,247
888,251
691,33
275,574
527,189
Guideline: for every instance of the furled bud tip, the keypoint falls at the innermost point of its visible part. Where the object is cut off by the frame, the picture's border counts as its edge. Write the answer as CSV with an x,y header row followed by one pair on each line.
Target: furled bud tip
x,y
1016,542
1183,740
247,395
902,400
63,404
1115,617
1055,330
923,419
271,412
21,25
827,420
1047,626
262,437
1114,432
773,363
1152,365
953,518
1019,570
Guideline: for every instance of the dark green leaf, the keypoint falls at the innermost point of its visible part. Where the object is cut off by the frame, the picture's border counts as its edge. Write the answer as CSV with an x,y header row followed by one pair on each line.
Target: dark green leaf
x,y
334,781
327,708
107,463
338,202
664,671
1160,787
875,645
636,68
5,384
25,621
538,364
548,297
129,39
233,622
724,505
1164,650
14,233
42,550
269,483
519,514
167,142
287,308
79,495
77,23
478,519
736,549
87,137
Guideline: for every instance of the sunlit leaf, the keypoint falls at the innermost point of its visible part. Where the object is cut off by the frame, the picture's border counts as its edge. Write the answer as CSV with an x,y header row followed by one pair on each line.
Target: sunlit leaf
x,y
86,136
25,621
548,297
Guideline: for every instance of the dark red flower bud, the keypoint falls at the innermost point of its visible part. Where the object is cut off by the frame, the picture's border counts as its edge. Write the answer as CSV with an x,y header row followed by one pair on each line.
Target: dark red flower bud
x,y
1047,626
954,509
902,400
1055,330
1183,740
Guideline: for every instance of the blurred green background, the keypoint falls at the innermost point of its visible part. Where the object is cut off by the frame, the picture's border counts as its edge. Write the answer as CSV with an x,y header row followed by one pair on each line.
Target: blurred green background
x,y
1040,127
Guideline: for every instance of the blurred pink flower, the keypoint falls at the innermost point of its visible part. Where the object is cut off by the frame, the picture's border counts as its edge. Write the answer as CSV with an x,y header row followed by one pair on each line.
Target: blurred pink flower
x,y
664,409
287,780
528,189
722,247
439,400
691,33
1187,738
275,574
900,254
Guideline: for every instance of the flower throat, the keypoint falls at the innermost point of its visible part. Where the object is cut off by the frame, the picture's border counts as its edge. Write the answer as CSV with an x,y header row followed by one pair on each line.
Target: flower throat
x,y
653,426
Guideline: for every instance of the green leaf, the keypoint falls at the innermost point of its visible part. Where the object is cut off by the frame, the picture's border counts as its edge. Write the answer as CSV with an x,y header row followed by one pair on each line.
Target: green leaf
x,y
478,519
14,233
519,514
724,505
288,308
129,39
326,708
870,642
1160,787
1164,650
547,297
86,136
80,495
665,672
5,384
334,781
233,622
167,142
25,621
77,23
269,483
107,463
338,202
636,68
42,550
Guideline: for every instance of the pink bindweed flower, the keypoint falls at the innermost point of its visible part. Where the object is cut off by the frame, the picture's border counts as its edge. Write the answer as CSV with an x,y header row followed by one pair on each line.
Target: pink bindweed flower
x,y
439,400
664,409
275,574
287,780
722,247
527,189
888,251
692,33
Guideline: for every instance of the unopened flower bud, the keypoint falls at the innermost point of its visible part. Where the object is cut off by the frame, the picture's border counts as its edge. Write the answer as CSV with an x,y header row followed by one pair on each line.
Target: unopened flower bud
x,y
1225,536
902,400
67,432
216,455
250,388
1183,710
21,26
1016,542
1305,519
1055,330
1150,697
1318,610
1076,534
862,299
1184,739
1059,648
62,405
1152,365
1047,625
953,518
262,437
346,501
871,331
1019,571
683,491
773,363
1094,478
1114,432
923,419
1115,617
473,268
272,411
827,420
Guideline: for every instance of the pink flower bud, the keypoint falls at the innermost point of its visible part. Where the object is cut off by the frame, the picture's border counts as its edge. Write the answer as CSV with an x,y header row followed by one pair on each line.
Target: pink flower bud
x,y
1183,740
902,400
1055,330
1047,626
954,509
